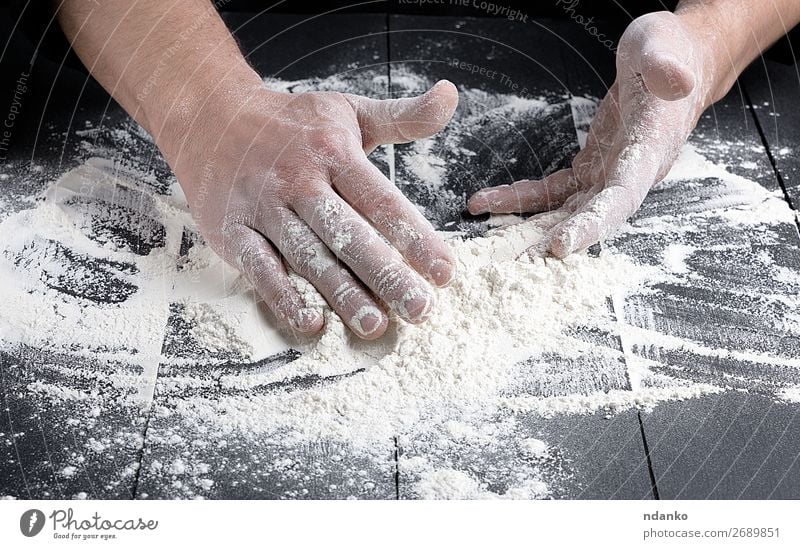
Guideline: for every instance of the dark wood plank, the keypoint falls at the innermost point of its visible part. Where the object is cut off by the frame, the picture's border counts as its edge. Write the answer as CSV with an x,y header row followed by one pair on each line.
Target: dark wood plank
x,y
734,445
72,415
61,447
772,88
589,456
727,311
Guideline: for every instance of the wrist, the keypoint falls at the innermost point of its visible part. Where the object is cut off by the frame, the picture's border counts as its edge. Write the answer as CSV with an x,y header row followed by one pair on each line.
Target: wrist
x,y
725,48
195,96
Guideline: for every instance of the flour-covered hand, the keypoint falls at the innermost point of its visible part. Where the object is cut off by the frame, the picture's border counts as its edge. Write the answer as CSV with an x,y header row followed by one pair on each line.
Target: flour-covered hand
x,y
662,87
276,179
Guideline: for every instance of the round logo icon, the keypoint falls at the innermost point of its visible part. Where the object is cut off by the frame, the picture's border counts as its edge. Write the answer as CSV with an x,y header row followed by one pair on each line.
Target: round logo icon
x,y
31,522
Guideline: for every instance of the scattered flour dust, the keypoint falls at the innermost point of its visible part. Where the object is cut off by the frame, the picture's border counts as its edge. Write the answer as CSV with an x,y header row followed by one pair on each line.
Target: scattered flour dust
x,y
790,394
459,376
534,447
455,484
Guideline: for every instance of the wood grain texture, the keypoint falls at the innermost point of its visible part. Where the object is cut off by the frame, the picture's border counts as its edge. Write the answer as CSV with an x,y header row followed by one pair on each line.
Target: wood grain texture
x,y
772,90
724,320
735,445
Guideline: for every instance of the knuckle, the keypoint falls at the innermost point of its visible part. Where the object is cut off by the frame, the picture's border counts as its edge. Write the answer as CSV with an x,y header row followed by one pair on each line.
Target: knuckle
x,y
383,203
330,143
586,172
256,261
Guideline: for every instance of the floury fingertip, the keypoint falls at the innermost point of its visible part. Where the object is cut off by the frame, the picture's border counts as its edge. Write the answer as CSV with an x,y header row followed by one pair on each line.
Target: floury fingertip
x,y
369,322
478,203
562,245
307,321
442,272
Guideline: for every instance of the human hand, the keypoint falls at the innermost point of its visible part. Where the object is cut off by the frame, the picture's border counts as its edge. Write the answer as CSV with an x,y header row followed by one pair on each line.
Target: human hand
x,y
662,87
273,177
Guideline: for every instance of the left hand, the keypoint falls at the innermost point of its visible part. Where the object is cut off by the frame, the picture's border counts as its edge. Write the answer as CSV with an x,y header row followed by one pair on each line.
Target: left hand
x,y
662,88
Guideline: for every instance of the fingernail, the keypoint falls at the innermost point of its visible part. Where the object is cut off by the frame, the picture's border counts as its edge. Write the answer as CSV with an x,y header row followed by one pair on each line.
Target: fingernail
x,y
673,78
307,320
561,245
537,251
416,305
478,204
445,82
367,320
441,272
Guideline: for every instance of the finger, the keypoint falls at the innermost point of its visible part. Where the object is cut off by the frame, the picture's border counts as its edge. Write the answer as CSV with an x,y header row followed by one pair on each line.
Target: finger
x,y
538,250
603,128
261,265
580,198
370,258
605,207
599,217
367,189
544,222
592,161
526,195
547,222
659,49
406,119
312,260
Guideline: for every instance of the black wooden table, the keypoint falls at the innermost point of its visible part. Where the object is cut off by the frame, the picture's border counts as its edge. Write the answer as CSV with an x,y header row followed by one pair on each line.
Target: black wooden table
x,y
739,443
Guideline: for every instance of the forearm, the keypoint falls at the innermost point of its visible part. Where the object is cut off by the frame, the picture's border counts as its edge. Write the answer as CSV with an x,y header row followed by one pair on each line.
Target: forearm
x,y
160,60
736,31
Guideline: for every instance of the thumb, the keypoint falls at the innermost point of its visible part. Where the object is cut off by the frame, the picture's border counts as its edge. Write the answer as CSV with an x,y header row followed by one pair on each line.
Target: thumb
x,y
406,119
658,47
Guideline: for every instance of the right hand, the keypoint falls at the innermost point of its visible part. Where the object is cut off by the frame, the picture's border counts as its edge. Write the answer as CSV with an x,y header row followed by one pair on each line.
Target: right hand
x,y
276,177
